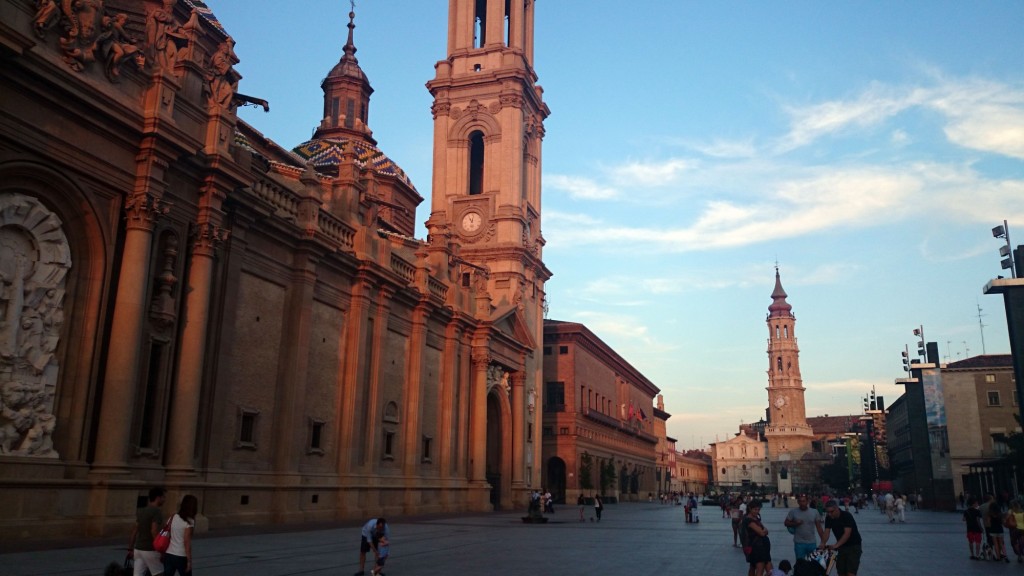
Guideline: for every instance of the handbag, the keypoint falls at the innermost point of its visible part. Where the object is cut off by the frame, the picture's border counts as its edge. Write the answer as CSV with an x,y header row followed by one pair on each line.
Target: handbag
x,y
162,541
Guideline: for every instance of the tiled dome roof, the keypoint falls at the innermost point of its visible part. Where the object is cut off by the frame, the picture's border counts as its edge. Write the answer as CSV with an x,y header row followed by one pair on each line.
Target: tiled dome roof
x,y
326,153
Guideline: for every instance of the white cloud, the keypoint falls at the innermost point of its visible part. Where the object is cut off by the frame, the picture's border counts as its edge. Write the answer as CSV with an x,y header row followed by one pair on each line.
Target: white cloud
x,y
651,174
579,187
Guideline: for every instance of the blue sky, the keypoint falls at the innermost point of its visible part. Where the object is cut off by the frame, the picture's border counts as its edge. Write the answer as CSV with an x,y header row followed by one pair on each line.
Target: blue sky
x,y
867,147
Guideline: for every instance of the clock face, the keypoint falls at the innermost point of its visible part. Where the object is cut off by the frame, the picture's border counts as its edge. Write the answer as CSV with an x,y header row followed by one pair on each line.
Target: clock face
x,y
780,402
471,221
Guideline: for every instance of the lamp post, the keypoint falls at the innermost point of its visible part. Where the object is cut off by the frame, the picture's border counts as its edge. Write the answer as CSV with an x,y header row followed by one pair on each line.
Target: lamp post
x,y
1012,290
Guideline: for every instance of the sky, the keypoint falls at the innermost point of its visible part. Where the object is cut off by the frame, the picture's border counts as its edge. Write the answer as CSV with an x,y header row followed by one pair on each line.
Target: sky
x,y
865,148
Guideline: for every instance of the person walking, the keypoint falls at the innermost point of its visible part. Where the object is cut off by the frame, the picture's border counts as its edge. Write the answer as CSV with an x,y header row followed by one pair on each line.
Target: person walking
x,y
1015,523
581,503
148,522
598,506
758,547
995,532
736,515
975,527
178,558
848,541
806,526
374,534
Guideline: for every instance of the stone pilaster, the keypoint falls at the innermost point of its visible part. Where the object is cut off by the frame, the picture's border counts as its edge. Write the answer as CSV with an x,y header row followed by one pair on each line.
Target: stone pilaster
x,y
181,441
478,416
122,373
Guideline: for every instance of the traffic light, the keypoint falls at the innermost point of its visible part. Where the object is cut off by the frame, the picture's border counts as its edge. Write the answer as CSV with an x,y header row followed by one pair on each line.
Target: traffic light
x,y
920,349
906,361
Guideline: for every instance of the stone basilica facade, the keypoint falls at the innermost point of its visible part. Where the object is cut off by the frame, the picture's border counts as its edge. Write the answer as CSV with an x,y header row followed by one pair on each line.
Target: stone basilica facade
x,y
185,302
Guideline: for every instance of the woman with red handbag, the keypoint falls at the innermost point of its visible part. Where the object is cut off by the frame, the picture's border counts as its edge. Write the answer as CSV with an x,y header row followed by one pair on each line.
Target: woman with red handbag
x,y
178,558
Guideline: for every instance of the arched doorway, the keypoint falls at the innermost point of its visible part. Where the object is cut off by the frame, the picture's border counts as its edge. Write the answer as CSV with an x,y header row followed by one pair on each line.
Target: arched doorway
x,y
495,449
555,482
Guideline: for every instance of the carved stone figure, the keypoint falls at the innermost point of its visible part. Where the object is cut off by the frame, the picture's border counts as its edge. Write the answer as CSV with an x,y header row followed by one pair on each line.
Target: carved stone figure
x,y
116,46
89,34
164,38
221,78
46,16
34,261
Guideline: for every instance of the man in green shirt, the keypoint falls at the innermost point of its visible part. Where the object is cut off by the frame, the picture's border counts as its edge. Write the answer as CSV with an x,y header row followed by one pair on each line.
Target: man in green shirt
x,y
148,522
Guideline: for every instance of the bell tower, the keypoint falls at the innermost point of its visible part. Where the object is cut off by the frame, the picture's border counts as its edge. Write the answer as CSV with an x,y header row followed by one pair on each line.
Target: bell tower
x,y
788,434
488,125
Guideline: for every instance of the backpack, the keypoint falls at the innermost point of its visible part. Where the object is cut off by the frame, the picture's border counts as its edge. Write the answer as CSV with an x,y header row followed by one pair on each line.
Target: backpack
x,y
744,536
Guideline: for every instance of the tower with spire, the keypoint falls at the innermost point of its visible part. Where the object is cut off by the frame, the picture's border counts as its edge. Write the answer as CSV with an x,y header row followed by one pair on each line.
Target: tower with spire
x,y
788,434
343,148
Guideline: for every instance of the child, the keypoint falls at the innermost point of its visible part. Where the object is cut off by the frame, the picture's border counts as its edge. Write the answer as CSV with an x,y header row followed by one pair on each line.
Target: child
x,y
975,528
782,570
383,549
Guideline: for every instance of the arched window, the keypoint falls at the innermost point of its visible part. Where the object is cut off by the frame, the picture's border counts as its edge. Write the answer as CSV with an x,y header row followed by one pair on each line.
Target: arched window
x,y
476,163
479,23
785,330
776,330
731,452
778,364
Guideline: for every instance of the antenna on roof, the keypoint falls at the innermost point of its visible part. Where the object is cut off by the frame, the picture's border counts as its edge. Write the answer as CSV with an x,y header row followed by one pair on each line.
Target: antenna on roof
x,y
981,327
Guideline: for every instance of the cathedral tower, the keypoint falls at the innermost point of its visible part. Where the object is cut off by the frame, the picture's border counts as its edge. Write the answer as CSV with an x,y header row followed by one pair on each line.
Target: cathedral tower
x,y
485,216
788,435
488,126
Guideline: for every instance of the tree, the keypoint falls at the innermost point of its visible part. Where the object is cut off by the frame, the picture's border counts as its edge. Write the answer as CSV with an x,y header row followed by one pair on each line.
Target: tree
x,y
586,471
607,475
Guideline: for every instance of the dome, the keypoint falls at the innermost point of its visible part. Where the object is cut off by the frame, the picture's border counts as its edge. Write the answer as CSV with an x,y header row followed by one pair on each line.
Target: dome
x,y
326,153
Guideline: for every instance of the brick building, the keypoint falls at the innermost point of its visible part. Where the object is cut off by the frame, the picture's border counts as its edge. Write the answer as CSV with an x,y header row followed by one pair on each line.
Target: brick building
x,y
599,423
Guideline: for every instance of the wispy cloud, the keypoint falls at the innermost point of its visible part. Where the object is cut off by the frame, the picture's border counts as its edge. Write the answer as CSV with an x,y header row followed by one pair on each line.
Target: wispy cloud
x,y
738,195
580,187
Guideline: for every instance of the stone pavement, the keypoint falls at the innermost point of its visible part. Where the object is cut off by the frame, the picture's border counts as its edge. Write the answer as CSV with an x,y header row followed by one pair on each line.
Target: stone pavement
x,y
633,539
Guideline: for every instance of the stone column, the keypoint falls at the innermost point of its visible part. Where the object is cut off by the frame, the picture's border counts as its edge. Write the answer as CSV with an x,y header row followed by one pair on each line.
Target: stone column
x,y
414,374
478,416
181,437
519,432
117,406
350,376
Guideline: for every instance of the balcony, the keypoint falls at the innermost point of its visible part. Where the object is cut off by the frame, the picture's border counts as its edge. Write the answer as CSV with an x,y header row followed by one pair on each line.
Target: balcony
x,y
601,418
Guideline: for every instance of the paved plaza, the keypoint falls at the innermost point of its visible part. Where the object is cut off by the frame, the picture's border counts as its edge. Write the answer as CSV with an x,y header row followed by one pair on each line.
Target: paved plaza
x,y
632,539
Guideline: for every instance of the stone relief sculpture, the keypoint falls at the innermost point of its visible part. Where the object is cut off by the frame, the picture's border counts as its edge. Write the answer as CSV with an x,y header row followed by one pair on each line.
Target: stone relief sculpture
x,y
88,34
34,262
221,78
164,38
498,376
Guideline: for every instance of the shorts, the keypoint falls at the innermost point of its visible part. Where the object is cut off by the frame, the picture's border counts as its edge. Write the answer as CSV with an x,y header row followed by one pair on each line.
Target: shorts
x,y
974,537
802,549
364,545
848,561
150,560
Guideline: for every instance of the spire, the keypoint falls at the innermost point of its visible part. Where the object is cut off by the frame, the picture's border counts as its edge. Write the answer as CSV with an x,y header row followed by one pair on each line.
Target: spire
x,y
350,47
346,95
779,307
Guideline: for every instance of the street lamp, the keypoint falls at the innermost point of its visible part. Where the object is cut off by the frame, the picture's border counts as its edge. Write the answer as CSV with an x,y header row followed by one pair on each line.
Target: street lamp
x,y
919,332
1012,290
1006,250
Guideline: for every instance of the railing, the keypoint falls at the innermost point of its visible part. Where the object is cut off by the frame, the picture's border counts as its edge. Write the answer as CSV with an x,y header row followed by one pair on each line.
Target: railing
x,y
602,418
